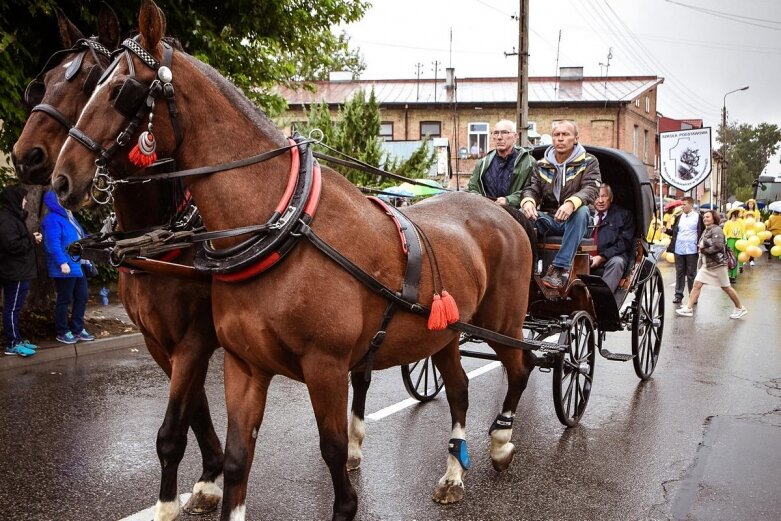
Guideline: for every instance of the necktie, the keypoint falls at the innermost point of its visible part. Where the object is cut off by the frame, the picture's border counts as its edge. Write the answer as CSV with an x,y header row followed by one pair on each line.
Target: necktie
x,y
596,231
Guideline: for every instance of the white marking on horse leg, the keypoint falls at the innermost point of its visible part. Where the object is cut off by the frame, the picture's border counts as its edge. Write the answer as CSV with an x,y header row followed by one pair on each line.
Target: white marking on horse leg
x,y
167,511
239,513
209,488
356,431
455,472
501,448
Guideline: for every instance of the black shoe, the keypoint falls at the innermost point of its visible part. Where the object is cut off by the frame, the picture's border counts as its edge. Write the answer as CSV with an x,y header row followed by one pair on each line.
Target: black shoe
x,y
677,300
556,278
732,280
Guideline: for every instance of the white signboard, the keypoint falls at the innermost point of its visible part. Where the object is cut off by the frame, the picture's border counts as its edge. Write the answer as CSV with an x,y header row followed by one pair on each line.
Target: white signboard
x,y
685,157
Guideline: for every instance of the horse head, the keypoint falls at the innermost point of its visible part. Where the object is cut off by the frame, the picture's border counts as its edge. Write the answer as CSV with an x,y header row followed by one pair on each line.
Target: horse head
x,y
57,95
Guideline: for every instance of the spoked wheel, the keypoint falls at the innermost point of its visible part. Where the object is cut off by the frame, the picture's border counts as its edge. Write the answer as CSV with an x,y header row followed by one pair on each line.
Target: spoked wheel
x,y
648,325
573,372
422,379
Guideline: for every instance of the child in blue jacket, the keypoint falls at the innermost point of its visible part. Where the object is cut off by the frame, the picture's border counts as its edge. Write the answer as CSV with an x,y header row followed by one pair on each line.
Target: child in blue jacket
x,y
60,228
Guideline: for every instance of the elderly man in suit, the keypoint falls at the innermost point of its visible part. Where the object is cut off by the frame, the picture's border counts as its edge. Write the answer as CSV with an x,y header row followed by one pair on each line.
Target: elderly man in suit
x,y
614,235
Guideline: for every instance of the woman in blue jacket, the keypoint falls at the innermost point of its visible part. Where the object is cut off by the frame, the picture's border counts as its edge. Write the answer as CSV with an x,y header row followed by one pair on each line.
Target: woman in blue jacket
x,y
60,228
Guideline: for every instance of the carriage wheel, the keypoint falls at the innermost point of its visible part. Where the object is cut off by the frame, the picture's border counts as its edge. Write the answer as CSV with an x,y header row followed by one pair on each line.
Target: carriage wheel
x,y
573,372
422,379
648,325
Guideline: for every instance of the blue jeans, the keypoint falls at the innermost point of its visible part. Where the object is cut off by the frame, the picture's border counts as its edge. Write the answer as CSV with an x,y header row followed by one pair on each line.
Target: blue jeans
x,y
14,295
572,230
70,289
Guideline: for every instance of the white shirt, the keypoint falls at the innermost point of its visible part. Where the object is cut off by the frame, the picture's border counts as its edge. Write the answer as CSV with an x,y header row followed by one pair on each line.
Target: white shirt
x,y
686,240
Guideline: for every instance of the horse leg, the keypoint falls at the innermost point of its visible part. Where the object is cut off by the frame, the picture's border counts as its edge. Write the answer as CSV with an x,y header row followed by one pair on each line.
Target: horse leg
x,y
245,401
185,396
450,488
357,427
518,365
327,384
206,493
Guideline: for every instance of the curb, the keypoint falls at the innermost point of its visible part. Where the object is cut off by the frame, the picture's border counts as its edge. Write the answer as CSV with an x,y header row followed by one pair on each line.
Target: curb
x,y
48,354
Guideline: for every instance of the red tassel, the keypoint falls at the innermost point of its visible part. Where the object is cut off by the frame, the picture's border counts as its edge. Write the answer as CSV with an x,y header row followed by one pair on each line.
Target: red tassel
x,y
450,307
436,319
143,154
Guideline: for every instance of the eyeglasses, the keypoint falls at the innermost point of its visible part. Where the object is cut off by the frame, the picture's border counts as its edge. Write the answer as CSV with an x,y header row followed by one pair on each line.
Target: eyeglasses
x,y
497,133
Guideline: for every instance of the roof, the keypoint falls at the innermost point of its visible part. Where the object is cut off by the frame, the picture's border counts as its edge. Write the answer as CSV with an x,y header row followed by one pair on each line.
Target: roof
x,y
613,89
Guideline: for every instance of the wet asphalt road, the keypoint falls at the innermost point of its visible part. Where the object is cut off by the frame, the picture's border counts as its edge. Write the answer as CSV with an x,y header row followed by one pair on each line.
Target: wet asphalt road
x,y
700,441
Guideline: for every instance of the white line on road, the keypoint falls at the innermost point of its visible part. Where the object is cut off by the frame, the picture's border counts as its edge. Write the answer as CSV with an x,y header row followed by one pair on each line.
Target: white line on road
x,y
409,402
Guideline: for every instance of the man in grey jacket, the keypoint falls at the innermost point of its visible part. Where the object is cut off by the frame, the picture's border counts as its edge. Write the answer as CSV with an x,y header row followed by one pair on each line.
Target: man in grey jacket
x,y
504,171
563,184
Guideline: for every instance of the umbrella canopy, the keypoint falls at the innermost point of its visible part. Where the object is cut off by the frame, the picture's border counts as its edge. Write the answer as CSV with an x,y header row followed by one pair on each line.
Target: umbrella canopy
x,y
672,204
433,188
775,206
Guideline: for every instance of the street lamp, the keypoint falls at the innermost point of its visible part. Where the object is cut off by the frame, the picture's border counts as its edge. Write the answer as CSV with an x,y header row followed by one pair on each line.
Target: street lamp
x,y
723,179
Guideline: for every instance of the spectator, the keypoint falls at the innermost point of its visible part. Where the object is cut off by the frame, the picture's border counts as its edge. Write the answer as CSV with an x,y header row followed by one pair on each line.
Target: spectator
x,y
614,234
60,228
563,183
504,171
685,232
751,210
712,247
17,267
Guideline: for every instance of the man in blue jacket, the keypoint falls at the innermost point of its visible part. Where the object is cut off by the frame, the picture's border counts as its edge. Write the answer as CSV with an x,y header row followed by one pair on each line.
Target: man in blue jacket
x,y
614,233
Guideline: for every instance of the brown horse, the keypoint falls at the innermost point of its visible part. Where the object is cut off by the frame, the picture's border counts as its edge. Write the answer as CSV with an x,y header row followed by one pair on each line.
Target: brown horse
x,y
174,315
308,318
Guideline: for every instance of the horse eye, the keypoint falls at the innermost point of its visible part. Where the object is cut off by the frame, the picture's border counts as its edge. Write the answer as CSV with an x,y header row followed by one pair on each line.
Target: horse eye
x,y
115,91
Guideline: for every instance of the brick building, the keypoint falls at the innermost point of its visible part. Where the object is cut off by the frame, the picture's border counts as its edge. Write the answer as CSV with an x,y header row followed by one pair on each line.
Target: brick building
x,y
615,111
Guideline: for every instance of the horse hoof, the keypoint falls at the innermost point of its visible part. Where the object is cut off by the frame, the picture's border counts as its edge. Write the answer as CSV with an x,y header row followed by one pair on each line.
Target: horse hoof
x,y
200,503
446,493
353,464
502,463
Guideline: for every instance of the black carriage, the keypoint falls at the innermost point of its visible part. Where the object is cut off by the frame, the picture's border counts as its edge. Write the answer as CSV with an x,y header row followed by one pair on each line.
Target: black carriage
x,y
580,316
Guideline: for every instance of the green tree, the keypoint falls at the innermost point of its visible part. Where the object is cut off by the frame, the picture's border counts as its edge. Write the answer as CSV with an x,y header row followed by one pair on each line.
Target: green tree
x,y
749,148
256,45
354,131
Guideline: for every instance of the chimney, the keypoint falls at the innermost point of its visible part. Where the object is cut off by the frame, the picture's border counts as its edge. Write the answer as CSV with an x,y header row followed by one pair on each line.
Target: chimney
x,y
450,83
571,73
570,83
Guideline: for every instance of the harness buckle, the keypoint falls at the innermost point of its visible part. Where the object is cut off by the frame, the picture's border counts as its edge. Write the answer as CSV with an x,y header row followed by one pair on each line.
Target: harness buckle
x,y
102,190
284,218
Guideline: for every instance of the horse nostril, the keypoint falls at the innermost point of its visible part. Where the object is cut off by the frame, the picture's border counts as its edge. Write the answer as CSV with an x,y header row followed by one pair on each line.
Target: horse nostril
x,y
35,157
60,185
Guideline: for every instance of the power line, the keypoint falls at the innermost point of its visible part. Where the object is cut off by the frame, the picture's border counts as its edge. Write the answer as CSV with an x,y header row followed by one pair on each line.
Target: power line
x,y
729,16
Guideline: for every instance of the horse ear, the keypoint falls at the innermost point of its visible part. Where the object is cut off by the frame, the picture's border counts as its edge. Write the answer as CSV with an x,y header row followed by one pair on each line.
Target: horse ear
x,y
69,33
151,23
108,26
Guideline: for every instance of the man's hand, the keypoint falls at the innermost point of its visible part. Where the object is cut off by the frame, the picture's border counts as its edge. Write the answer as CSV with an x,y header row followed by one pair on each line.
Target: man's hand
x,y
501,200
65,268
564,211
597,261
530,210
38,237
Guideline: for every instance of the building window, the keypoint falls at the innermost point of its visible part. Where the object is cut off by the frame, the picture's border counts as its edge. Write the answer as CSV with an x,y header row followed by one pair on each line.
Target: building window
x,y
647,104
477,139
430,129
635,139
645,146
637,103
386,131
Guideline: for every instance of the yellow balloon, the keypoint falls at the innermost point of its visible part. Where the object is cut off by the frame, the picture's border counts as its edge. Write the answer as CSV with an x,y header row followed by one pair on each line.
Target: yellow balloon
x,y
754,240
754,251
749,222
749,228
759,226
750,232
764,235
669,257
741,244
775,251
777,240
743,257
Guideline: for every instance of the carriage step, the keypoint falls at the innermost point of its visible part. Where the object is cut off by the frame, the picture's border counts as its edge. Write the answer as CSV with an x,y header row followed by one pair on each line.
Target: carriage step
x,y
620,357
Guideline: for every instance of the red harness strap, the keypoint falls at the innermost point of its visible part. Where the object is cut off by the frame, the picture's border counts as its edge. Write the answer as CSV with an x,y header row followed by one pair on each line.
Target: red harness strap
x,y
382,204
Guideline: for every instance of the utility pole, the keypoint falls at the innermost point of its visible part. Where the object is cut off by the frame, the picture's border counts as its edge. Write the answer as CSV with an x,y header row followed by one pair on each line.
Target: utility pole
x,y
418,66
523,73
435,64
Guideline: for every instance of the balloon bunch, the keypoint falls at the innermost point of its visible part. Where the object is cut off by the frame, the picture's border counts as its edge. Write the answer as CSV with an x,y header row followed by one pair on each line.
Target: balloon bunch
x,y
775,251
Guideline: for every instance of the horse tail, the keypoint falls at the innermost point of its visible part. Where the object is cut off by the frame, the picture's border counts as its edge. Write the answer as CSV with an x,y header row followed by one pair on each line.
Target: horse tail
x,y
528,226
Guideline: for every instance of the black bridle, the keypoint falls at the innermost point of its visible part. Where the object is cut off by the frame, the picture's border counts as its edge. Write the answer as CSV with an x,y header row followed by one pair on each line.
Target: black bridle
x,y
36,89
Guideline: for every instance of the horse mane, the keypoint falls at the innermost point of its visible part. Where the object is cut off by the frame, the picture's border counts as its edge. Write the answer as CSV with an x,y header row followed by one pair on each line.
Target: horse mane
x,y
240,100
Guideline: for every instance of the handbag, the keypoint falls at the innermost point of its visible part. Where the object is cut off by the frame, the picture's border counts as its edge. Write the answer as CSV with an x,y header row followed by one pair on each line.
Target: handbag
x,y
731,260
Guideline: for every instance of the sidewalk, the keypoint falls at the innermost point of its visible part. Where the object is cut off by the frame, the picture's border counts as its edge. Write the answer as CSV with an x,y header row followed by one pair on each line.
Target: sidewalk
x,y
111,326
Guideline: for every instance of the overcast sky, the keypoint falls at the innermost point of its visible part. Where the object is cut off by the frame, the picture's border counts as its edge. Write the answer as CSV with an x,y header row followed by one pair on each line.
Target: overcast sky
x,y
700,55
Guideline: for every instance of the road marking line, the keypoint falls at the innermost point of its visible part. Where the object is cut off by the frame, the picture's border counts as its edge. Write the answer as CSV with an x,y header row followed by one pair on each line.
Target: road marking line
x,y
409,402
149,513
